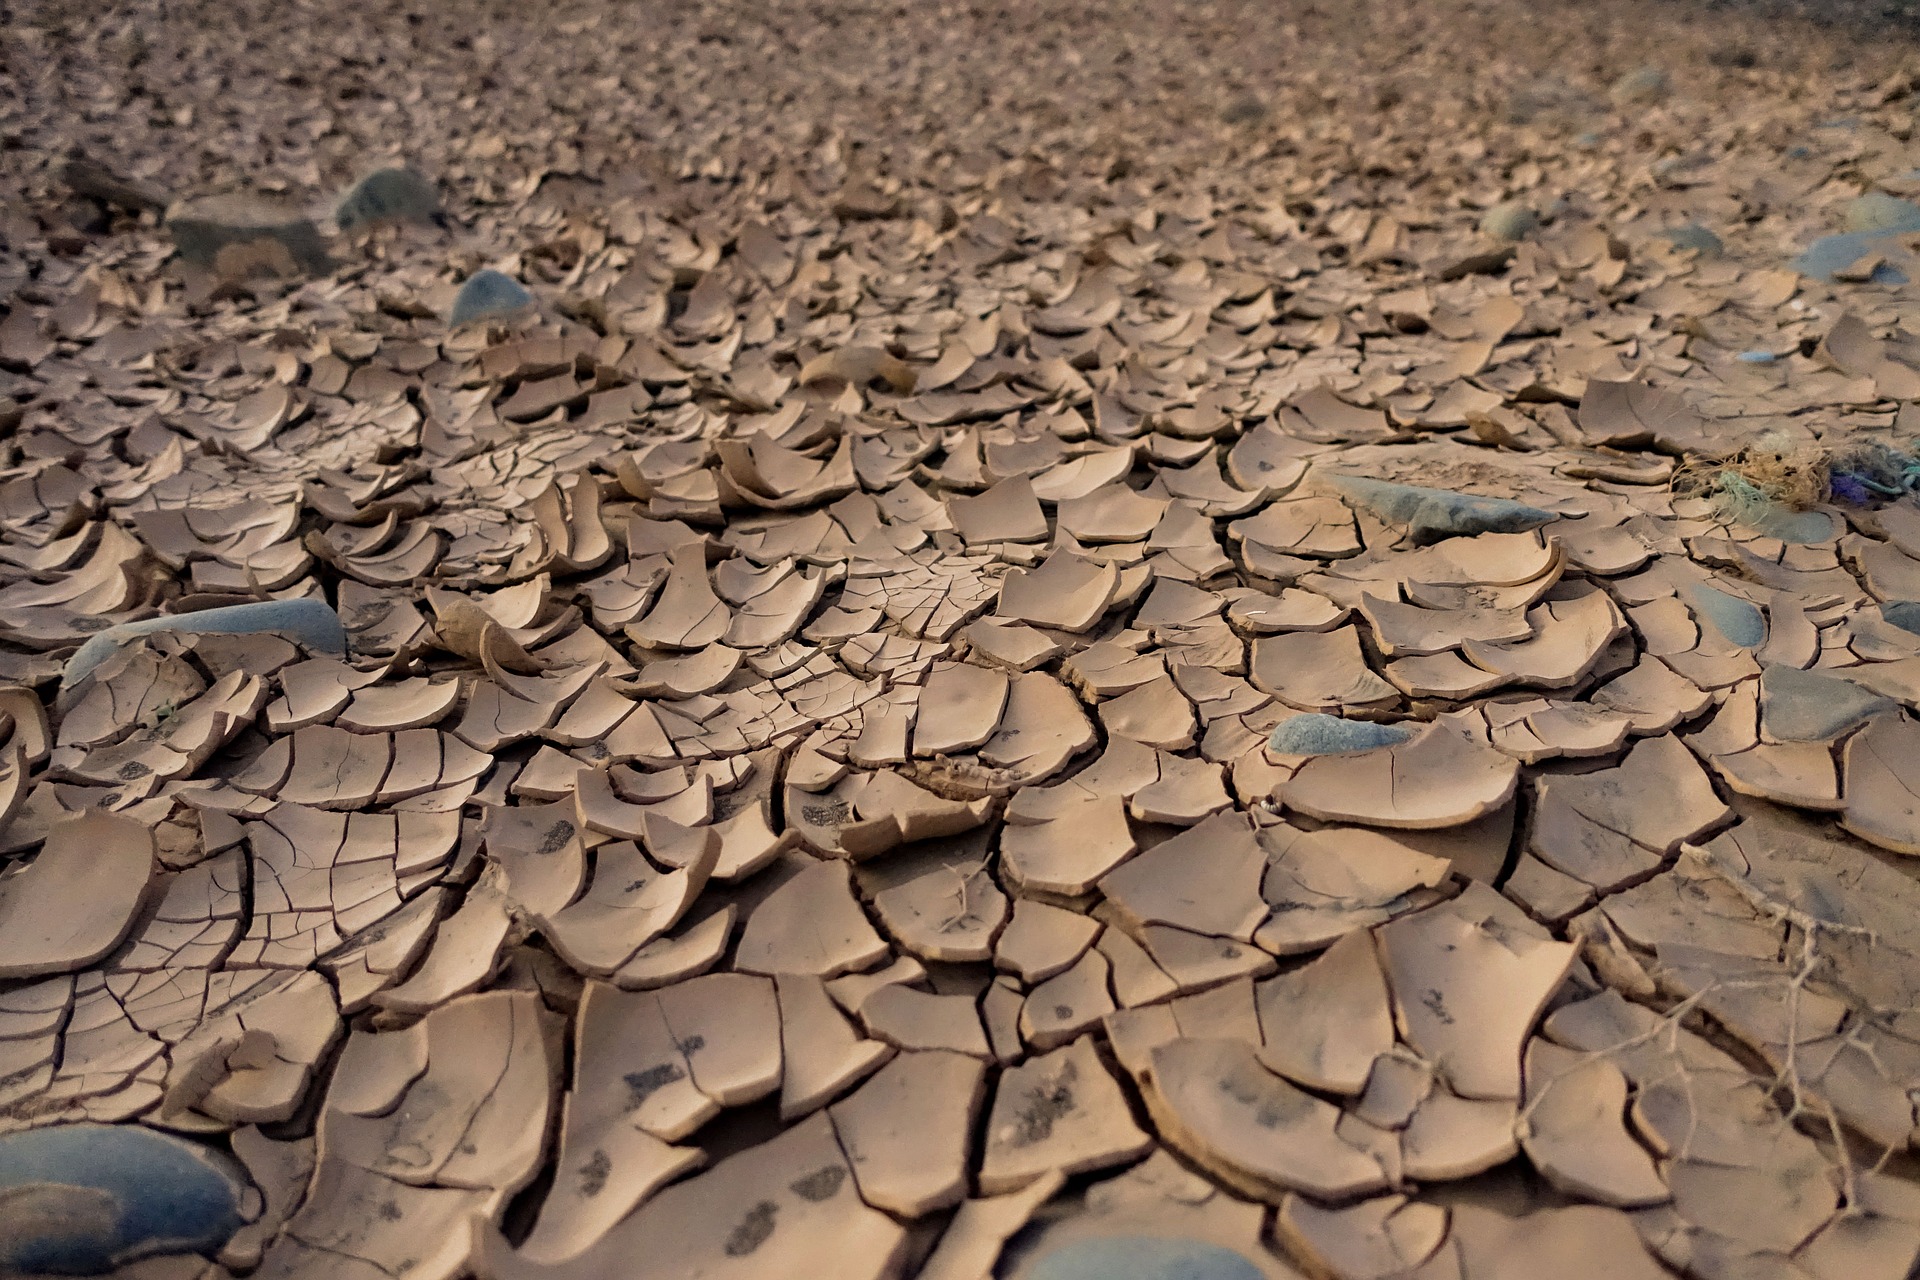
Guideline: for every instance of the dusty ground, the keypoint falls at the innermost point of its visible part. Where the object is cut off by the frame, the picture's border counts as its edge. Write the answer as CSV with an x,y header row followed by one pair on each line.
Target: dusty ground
x,y
883,729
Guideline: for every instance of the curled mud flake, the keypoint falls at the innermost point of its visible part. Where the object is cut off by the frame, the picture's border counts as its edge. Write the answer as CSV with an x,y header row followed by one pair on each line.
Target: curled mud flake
x,y
918,631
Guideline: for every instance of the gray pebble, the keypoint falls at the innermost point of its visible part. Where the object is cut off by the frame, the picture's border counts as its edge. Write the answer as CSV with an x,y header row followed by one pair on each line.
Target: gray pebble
x,y
487,295
1830,254
1141,1258
1314,734
1813,706
1640,87
388,196
1904,614
84,1199
1878,212
1509,220
311,622
202,228
1432,514
1739,621
1696,237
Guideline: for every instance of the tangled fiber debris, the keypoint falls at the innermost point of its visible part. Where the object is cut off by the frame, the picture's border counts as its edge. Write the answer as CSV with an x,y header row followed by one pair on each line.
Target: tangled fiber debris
x,y
1762,485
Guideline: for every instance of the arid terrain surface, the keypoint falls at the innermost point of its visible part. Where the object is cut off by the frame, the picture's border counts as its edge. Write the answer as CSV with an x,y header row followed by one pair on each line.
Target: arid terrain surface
x,y
1140,641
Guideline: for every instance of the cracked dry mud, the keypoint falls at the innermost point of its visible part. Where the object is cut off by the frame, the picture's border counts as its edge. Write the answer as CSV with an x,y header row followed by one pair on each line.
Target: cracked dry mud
x,y
1034,642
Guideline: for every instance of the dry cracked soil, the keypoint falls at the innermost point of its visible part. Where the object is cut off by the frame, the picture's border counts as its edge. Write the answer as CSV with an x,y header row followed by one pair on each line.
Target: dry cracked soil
x,y
740,640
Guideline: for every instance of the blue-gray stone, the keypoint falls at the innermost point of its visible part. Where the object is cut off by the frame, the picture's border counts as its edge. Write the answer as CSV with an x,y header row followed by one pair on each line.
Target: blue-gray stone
x,y
487,295
1141,1258
1511,220
1829,254
1314,734
1802,528
313,623
83,1199
1904,614
1694,236
1640,86
1879,212
202,228
1755,357
1813,706
1433,514
1740,621
1832,254
388,195
1247,109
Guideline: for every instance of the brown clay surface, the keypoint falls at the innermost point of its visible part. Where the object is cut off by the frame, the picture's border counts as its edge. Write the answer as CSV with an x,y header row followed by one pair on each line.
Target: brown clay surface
x,y
887,726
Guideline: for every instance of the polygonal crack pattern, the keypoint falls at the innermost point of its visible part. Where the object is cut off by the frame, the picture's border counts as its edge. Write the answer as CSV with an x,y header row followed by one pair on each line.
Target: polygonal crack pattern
x,y
1175,637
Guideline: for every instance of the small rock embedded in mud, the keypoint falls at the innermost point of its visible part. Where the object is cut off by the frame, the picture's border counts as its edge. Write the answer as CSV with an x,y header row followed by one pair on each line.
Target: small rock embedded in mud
x,y
1878,212
487,295
388,196
1641,87
1511,220
239,236
1314,734
82,1199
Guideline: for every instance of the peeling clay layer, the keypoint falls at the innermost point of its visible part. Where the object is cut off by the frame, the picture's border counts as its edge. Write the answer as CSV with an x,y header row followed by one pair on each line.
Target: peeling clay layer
x,y
919,641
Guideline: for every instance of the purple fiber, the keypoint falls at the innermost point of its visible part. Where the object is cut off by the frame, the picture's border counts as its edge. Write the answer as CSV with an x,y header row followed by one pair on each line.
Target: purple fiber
x,y
1847,489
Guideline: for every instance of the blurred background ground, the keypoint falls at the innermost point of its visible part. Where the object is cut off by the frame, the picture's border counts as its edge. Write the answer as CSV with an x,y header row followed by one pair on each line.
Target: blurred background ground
x,y
298,96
